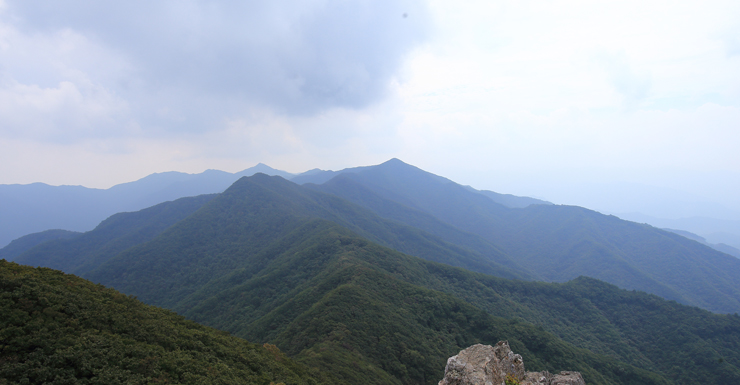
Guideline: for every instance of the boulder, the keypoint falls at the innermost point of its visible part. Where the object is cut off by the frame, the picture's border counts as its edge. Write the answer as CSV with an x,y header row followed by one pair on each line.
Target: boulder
x,y
492,365
484,365
545,378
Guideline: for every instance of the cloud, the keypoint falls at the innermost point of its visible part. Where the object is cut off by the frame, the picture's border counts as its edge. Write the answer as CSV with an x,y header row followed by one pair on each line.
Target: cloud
x,y
34,111
633,86
296,57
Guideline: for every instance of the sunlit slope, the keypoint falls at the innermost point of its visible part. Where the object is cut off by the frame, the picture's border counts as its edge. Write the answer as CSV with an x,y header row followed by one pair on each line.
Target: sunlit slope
x,y
58,328
558,243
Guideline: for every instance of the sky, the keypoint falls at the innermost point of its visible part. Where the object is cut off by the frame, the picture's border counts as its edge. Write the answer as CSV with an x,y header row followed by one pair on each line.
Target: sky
x,y
582,102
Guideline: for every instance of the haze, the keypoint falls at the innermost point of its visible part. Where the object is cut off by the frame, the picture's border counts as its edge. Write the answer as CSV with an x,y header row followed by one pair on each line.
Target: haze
x,y
620,106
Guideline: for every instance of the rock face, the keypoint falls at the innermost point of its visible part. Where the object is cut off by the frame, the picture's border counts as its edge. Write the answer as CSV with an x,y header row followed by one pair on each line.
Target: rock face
x,y
492,365
484,365
545,378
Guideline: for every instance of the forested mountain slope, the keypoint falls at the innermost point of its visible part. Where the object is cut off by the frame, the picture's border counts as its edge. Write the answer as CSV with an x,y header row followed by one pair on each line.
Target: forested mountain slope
x,y
555,243
332,300
270,198
31,208
58,328
265,261
121,231
26,242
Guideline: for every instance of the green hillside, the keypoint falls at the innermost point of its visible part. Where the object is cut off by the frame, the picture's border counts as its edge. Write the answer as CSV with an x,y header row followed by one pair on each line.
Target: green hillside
x,y
275,262
245,219
346,186
338,302
552,242
256,264
121,231
60,329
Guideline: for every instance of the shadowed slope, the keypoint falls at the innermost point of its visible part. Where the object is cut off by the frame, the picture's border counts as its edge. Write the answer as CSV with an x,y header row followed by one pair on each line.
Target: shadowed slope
x,y
559,243
246,218
27,242
115,234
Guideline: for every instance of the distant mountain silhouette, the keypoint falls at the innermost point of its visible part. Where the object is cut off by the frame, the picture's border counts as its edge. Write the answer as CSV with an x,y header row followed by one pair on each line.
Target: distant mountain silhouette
x,y
727,249
84,252
26,242
32,208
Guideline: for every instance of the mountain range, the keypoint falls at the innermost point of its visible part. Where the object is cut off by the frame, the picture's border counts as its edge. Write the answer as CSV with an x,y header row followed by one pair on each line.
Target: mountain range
x,y
383,272
32,208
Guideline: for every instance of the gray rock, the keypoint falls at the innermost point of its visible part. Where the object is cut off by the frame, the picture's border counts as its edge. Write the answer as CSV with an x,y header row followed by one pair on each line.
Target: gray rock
x,y
545,378
483,365
490,365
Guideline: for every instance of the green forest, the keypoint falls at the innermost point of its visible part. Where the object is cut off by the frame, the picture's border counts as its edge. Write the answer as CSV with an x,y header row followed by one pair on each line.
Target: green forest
x,y
60,329
343,292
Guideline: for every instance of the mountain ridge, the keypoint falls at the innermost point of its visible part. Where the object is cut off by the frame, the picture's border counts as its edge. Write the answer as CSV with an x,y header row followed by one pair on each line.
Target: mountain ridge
x,y
336,300
36,207
570,240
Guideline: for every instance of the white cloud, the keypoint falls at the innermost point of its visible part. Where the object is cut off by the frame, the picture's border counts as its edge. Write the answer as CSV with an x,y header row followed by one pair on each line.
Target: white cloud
x,y
478,91
296,57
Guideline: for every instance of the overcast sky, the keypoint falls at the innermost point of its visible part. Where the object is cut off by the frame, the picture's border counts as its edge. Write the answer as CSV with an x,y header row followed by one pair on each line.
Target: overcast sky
x,y
524,97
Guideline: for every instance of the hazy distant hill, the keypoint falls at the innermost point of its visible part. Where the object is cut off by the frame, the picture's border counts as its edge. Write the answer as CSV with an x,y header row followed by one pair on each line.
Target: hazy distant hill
x,y
87,251
714,231
26,242
319,177
727,249
32,208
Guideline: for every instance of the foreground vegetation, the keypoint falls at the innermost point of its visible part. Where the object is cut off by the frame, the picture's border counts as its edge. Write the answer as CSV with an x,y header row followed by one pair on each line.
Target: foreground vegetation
x,y
60,329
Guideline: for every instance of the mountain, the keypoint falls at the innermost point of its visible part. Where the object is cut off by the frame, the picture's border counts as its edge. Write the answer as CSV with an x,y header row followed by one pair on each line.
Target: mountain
x,y
125,230
557,243
26,209
84,252
280,263
58,328
455,224
714,231
254,261
508,200
26,242
319,177
727,249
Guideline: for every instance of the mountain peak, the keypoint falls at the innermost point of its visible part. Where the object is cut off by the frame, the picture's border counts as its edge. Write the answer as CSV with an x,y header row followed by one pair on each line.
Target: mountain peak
x,y
395,161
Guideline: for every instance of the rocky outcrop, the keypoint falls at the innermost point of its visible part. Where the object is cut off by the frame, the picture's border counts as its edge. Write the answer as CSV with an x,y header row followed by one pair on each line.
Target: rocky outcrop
x,y
484,365
494,365
545,378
